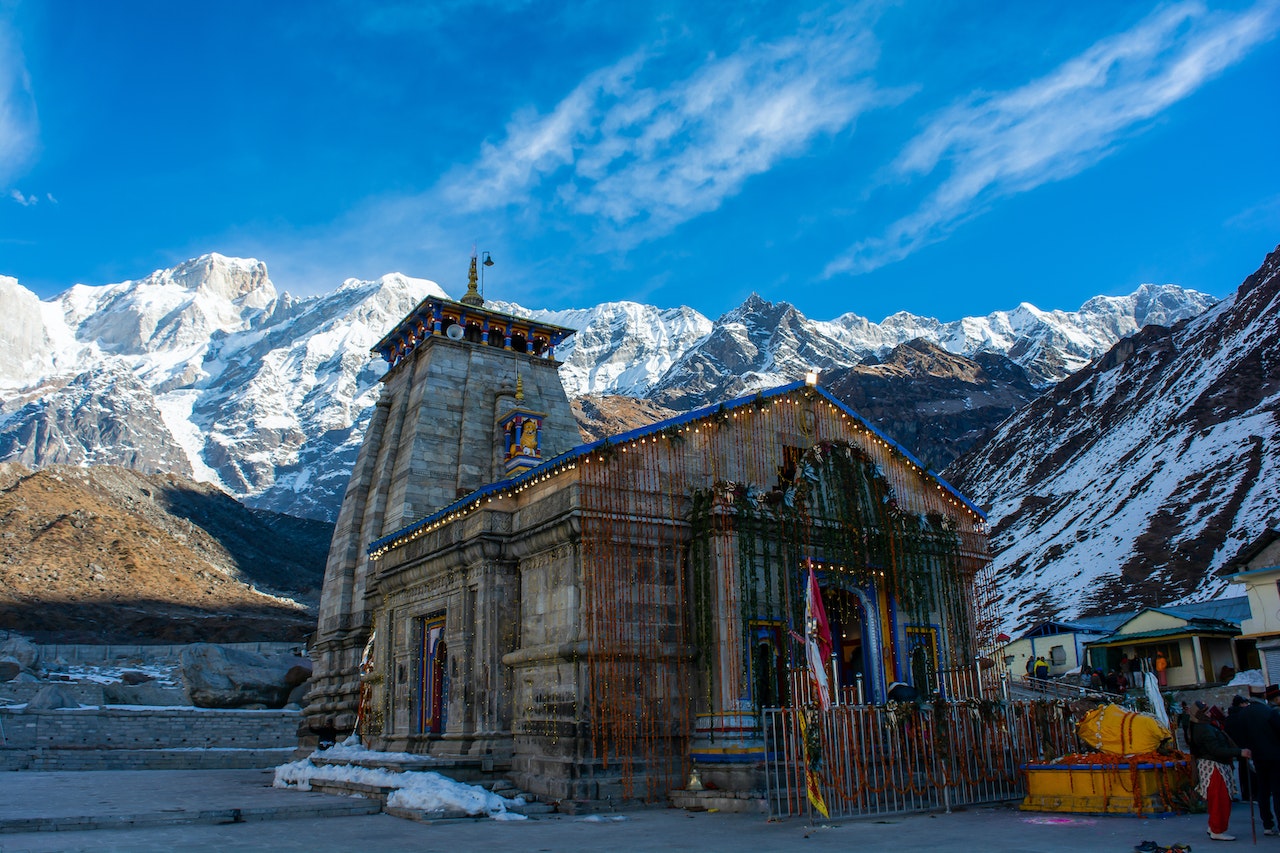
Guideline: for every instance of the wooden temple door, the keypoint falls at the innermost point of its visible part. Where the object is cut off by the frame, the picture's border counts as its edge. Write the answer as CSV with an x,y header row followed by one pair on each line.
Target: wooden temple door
x,y
432,683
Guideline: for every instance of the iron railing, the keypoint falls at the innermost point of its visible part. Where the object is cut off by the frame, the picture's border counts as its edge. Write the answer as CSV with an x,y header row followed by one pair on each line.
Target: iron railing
x,y
900,758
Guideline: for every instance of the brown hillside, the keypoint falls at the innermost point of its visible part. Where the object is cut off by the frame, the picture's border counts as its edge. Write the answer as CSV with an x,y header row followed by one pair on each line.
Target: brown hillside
x,y
602,416
106,554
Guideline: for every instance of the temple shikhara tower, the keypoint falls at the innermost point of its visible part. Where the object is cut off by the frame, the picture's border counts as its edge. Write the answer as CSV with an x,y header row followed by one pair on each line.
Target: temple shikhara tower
x,y
597,620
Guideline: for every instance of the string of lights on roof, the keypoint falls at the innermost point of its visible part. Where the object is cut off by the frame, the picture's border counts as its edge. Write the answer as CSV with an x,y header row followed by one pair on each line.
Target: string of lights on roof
x,y
673,429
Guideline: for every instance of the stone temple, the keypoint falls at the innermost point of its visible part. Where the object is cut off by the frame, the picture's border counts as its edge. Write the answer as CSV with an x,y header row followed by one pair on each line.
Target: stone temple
x,y
597,620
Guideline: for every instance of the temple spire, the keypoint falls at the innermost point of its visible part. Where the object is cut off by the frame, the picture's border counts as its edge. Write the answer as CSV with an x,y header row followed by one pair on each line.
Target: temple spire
x,y
473,296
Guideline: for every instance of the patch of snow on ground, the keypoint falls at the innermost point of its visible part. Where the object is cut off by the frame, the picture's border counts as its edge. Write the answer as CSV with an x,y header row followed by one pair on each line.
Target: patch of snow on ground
x,y
415,789
163,674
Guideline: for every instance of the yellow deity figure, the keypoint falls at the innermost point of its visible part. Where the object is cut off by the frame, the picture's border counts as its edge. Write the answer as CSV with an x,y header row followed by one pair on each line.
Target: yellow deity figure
x,y
529,436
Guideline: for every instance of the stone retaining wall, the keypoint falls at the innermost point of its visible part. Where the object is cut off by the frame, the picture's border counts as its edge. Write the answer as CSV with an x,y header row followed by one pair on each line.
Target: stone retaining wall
x,y
85,653
138,738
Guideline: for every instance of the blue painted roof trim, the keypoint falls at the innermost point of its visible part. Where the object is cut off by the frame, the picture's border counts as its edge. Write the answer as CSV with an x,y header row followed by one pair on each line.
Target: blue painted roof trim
x,y
584,450
1251,572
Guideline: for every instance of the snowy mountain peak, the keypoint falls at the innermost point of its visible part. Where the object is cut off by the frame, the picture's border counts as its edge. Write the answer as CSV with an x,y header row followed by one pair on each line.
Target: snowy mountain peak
x,y
268,396
236,280
399,283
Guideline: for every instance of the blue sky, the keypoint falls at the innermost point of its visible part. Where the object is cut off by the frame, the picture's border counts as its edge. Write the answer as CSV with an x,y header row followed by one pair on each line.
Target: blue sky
x,y
946,159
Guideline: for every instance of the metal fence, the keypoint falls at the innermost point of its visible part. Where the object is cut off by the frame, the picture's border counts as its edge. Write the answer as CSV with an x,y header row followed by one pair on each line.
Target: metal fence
x,y
880,760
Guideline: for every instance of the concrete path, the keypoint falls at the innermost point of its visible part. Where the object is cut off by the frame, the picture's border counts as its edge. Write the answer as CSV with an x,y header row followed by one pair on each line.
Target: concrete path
x,y
110,799
195,811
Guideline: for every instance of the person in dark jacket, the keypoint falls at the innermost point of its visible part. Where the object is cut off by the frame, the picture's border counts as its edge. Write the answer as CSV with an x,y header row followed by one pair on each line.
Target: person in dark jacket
x,y
1235,731
1109,681
1214,753
1256,725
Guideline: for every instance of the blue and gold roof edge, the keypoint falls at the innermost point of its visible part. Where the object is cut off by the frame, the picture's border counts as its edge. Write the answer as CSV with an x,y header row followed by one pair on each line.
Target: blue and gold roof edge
x,y
570,458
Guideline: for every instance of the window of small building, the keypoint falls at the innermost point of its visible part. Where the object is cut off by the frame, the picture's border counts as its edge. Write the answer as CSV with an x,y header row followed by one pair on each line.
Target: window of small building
x,y
1057,655
1172,653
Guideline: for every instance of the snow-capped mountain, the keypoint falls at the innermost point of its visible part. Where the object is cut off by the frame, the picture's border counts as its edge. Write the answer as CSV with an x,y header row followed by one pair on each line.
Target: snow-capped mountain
x,y
1135,480
620,347
205,370
761,344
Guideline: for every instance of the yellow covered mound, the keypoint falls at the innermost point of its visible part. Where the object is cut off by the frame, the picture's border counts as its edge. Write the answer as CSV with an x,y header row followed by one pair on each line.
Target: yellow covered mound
x,y
1114,730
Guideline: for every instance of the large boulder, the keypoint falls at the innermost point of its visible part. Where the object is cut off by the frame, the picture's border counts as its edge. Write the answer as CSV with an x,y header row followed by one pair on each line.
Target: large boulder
x,y
142,694
9,669
22,650
298,695
222,677
52,696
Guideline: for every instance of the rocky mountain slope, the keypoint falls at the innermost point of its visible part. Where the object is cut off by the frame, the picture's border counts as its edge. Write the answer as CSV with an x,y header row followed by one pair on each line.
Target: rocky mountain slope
x,y
935,402
206,371
109,555
600,416
1137,478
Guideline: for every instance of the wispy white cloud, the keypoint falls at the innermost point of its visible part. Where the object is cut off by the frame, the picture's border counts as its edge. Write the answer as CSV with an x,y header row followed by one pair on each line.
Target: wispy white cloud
x,y
1055,127
641,157
17,107
24,200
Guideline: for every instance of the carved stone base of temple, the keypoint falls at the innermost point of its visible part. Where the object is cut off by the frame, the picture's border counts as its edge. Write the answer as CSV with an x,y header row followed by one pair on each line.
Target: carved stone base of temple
x,y
564,770
331,705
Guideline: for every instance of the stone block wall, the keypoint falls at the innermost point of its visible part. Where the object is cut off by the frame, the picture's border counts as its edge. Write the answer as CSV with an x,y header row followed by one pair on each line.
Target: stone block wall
x,y
145,738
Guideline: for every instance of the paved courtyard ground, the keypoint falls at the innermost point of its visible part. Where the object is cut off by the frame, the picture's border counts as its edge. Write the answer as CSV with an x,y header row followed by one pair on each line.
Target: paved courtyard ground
x,y
149,807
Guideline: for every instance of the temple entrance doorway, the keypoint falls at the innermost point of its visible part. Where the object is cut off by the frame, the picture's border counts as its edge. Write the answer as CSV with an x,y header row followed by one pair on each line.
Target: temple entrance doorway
x,y
432,693
922,654
847,617
768,666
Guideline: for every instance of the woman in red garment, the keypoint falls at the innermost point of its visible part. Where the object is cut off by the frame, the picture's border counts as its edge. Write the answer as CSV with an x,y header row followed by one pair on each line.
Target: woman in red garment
x,y
1214,753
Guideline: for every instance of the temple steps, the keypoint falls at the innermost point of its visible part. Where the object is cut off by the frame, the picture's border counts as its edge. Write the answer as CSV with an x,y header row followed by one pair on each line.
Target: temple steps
x,y
467,771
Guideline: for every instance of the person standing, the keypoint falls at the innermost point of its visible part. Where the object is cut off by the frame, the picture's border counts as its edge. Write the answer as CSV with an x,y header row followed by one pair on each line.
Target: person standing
x,y
1162,663
1234,727
1257,726
1214,753
1112,682
1042,668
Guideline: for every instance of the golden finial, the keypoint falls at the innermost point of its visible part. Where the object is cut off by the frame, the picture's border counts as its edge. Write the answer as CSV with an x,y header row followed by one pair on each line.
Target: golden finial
x,y
519,389
473,296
